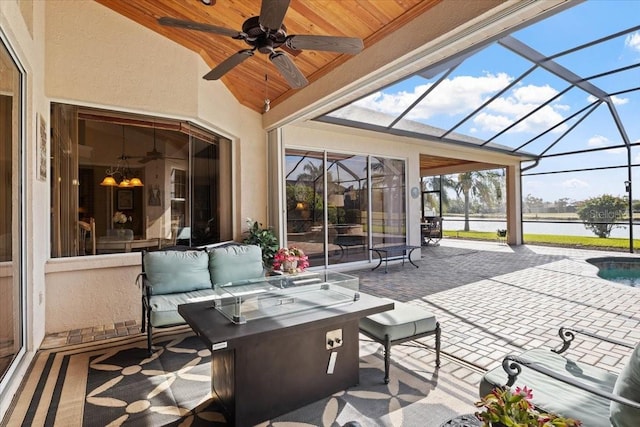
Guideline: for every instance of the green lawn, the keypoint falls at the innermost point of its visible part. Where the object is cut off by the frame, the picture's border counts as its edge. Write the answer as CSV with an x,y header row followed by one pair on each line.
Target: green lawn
x,y
552,239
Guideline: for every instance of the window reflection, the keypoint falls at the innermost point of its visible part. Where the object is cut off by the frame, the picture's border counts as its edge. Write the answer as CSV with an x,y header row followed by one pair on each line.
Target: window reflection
x,y
183,177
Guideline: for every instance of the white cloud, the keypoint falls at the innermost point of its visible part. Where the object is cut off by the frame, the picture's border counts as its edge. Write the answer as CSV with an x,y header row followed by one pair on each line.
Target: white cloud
x,y
574,183
459,95
598,141
532,94
633,41
616,100
462,94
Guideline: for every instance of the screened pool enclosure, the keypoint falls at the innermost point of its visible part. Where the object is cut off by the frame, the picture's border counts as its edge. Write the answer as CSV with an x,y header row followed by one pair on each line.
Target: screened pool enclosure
x,y
563,92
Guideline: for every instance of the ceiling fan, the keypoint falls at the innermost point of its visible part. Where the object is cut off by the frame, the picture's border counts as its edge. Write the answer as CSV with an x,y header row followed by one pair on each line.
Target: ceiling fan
x,y
155,154
266,33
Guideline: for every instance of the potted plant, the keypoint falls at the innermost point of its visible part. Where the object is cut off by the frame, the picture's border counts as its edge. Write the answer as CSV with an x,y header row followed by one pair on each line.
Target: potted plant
x,y
504,408
263,237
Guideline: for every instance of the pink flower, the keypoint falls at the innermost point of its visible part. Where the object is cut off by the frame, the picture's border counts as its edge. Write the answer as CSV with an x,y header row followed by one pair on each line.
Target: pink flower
x,y
526,392
286,255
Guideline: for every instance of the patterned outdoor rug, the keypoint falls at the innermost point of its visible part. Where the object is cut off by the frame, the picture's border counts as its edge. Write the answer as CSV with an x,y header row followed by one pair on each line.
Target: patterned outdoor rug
x,y
115,383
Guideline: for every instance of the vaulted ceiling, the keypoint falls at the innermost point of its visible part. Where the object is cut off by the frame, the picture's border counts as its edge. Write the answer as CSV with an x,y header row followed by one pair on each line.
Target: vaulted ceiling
x,y
369,20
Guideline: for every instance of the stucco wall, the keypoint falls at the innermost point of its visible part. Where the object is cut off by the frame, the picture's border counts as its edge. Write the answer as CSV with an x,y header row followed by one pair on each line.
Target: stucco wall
x,y
319,136
84,292
96,57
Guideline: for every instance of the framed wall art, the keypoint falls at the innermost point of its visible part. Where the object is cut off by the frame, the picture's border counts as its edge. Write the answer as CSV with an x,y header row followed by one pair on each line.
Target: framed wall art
x,y
125,200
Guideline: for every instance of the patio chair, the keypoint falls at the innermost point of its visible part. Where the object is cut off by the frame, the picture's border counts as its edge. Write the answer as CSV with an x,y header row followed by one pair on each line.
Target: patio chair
x,y
431,230
87,231
591,394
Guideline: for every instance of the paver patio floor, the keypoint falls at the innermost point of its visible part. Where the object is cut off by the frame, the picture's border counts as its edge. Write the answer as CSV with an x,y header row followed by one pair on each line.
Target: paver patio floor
x,y
492,299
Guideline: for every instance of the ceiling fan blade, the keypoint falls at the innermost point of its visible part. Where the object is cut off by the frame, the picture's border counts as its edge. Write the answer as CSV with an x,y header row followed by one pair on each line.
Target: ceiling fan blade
x,y
349,45
272,13
228,64
190,25
288,69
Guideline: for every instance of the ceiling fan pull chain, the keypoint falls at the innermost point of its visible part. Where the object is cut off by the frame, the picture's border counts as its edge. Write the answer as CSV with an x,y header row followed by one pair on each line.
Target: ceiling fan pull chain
x,y
267,101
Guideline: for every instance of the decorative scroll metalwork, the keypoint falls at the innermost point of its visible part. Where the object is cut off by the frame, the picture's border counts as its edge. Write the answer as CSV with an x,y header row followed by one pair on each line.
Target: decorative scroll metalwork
x,y
467,420
511,365
566,335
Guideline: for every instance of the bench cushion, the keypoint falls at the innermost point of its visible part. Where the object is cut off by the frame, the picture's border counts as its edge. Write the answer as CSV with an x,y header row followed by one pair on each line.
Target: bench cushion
x,y
232,263
555,396
164,308
404,321
170,272
627,385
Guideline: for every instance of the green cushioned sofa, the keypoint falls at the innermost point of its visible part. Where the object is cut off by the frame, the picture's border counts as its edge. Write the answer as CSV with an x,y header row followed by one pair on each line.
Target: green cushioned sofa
x,y
179,275
594,395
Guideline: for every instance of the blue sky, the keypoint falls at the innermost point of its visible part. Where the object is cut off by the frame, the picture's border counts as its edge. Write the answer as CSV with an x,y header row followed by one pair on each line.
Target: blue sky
x,y
490,70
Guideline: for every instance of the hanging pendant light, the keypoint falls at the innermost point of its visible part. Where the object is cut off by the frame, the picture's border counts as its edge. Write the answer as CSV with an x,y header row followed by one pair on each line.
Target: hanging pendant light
x,y
109,181
122,169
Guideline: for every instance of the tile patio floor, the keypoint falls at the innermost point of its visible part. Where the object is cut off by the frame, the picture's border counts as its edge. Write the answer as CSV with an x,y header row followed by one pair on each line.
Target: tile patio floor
x,y
490,299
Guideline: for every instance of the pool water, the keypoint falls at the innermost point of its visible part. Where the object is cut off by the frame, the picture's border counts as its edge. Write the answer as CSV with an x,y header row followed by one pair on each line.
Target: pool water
x,y
623,270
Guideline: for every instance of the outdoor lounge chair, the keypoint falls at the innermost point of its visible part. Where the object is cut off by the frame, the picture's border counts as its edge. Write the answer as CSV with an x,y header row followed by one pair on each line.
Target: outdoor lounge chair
x,y
588,393
431,230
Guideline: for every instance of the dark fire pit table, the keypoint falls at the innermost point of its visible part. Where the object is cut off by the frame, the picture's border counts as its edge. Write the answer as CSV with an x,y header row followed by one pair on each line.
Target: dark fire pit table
x,y
280,343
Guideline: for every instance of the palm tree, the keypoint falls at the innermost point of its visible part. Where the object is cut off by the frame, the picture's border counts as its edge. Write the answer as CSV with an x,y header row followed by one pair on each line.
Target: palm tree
x,y
439,183
484,185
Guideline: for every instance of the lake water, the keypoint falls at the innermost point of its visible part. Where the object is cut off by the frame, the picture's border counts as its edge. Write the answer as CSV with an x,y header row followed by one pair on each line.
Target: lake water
x,y
573,229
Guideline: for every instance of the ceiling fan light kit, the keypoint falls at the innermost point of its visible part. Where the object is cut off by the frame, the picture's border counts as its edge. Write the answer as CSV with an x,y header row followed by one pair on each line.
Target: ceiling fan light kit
x,y
266,33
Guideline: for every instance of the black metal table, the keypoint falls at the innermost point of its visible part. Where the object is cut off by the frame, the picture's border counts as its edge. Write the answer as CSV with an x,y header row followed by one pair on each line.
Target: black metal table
x,y
385,252
467,420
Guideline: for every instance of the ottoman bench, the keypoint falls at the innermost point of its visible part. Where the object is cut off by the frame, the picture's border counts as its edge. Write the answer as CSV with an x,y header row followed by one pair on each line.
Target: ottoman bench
x,y
405,322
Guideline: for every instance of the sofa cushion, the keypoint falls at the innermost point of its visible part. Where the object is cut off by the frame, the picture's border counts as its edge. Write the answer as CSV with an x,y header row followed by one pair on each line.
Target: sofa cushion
x,y
555,396
164,308
232,263
404,321
627,385
177,271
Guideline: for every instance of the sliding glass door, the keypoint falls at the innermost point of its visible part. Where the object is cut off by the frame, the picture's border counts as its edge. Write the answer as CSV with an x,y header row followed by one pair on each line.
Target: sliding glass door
x,y
12,319
339,204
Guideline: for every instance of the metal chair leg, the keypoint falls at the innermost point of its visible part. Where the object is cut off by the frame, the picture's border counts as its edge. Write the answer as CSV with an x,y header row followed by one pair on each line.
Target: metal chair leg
x,y
149,332
437,344
387,355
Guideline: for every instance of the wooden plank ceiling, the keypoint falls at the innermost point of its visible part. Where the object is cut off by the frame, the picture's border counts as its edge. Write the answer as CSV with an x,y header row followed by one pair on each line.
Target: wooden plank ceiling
x,y
370,20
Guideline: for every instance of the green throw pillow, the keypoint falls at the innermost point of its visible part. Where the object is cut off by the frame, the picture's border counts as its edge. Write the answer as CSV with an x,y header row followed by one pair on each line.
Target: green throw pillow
x,y
627,385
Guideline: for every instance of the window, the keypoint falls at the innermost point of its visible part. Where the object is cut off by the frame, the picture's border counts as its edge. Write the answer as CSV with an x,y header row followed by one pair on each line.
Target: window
x,y
143,182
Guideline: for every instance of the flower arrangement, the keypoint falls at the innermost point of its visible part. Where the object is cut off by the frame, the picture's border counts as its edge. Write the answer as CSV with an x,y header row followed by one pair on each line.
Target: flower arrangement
x,y
515,409
290,260
120,219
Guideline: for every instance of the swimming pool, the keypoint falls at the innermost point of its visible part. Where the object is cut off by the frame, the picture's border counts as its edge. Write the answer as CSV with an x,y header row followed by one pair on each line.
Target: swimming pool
x,y
624,270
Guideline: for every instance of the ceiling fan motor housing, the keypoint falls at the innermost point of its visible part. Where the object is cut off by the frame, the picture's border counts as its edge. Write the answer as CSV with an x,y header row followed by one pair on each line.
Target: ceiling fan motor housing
x,y
263,39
